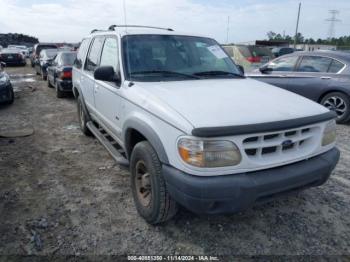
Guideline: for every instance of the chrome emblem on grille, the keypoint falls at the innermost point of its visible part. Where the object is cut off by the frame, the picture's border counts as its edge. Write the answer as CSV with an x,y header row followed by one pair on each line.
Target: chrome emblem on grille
x,y
287,143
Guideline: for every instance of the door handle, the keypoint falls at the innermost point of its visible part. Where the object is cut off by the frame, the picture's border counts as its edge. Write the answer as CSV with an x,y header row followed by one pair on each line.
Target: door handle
x,y
96,88
325,77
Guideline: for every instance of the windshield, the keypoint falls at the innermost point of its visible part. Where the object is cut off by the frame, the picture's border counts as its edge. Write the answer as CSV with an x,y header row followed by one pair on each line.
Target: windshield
x,y
172,57
51,53
68,58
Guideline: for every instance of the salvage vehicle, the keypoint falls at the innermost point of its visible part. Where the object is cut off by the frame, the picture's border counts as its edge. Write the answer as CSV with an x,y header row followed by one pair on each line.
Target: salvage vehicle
x,y
37,49
45,58
11,56
192,128
59,73
322,76
249,56
6,90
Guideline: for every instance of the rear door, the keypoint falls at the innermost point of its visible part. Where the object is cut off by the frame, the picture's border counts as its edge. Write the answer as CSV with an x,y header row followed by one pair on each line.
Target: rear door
x,y
107,94
87,83
280,71
314,75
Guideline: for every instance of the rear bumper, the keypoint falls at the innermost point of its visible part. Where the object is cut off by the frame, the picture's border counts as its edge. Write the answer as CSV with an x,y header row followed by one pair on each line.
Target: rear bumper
x,y
232,193
64,85
14,62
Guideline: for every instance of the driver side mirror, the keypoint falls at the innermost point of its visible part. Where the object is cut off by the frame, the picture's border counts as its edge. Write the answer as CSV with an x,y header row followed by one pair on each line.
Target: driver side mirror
x,y
265,69
107,73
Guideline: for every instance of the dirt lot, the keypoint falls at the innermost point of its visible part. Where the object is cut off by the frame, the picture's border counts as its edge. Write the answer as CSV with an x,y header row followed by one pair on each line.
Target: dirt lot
x,y
61,193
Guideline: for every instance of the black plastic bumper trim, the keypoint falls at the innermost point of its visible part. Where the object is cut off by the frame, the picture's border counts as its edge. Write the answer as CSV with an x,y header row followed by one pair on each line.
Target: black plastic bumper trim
x,y
262,127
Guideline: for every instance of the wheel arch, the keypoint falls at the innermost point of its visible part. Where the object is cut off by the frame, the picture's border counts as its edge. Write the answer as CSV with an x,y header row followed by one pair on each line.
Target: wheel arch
x,y
344,92
135,131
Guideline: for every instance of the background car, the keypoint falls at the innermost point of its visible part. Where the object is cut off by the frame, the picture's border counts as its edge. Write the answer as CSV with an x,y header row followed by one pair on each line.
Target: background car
x,y
59,73
12,56
322,76
279,51
6,90
249,56
37,49
45,58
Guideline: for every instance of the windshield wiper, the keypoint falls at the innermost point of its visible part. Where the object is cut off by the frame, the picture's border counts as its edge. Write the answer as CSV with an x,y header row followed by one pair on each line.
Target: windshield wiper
x,y
218,73
164,72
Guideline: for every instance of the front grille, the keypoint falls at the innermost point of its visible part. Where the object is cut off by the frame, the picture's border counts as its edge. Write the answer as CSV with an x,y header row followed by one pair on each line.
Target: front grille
x,y
278,143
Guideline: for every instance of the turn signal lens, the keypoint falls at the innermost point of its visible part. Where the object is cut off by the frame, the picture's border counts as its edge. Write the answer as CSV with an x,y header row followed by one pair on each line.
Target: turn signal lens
x,y
329,133
208,153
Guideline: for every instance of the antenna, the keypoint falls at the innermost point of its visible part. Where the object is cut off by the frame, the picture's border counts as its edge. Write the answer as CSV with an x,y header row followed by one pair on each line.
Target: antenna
x,y
333,19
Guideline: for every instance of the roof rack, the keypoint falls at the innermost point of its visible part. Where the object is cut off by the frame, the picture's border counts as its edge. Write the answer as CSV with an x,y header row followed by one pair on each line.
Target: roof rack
x,y
112,27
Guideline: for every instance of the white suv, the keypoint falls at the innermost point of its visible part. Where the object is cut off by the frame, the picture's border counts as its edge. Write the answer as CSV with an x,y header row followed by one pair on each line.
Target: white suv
x,y
193,129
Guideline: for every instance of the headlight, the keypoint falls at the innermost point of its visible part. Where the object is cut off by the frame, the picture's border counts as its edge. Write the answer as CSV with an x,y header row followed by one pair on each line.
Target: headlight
x,y
329,133
208,153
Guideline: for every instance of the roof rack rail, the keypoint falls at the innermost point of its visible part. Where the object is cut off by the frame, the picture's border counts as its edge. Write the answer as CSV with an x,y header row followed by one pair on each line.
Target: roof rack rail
x,y
112,27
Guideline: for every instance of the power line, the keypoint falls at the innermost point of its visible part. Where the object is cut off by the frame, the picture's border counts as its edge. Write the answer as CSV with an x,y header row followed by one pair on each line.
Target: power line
x,y
332,20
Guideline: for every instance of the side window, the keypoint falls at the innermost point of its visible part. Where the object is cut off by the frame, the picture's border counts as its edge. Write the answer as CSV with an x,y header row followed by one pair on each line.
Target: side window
x,y
335,67
110,54
81,53
283,63
314,64
94,54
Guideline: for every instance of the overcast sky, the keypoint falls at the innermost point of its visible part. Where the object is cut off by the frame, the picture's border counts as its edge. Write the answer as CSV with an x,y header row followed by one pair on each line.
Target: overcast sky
x,y
71,20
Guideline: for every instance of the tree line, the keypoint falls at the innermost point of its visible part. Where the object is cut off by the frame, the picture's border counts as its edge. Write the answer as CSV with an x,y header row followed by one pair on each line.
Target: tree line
x,y
17,39
340,41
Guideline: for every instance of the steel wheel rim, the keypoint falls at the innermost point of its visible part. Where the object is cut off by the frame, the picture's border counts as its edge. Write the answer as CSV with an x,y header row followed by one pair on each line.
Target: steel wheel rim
x,y
143,184
336,104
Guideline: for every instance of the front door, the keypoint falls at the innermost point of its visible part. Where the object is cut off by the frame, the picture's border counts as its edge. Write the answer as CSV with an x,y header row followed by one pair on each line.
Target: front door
x,y
107,94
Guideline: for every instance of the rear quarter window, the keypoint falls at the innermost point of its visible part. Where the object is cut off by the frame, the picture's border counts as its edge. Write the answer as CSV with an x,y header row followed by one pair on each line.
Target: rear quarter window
x,y
78,63
335,66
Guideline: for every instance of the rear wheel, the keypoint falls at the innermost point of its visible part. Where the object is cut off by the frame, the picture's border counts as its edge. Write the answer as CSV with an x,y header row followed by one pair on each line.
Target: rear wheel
x,y
340,104
59,93
149,189
43,76
48,83
83,117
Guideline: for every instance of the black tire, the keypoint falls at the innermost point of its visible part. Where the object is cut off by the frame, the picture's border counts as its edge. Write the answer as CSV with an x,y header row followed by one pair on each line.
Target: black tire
x,y
43,76
59,93
83,117
159,207
12,97
338,102
49,83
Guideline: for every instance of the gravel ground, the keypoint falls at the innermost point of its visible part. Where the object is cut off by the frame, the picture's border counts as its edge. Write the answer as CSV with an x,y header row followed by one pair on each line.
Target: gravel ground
x,y
62,194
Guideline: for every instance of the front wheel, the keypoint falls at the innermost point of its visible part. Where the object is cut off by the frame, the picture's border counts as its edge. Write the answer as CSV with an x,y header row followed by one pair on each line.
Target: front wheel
x,y
149,189
340,104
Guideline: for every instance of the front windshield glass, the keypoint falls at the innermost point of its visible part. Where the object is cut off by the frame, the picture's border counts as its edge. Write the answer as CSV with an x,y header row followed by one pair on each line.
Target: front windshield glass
x,y
172,57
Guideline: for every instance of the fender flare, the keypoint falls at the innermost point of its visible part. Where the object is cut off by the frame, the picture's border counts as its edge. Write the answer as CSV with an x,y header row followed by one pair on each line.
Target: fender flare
x,y
148,132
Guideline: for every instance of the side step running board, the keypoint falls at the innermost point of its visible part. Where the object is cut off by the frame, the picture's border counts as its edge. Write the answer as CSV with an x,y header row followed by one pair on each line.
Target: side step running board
x,y
109,145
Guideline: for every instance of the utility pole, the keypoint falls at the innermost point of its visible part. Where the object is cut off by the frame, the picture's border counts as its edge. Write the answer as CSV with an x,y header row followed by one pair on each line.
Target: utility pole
x,y
333,19
296,29
228,29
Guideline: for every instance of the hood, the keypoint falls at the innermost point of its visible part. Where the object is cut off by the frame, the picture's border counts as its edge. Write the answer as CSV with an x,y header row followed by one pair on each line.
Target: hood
x,y
227,102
